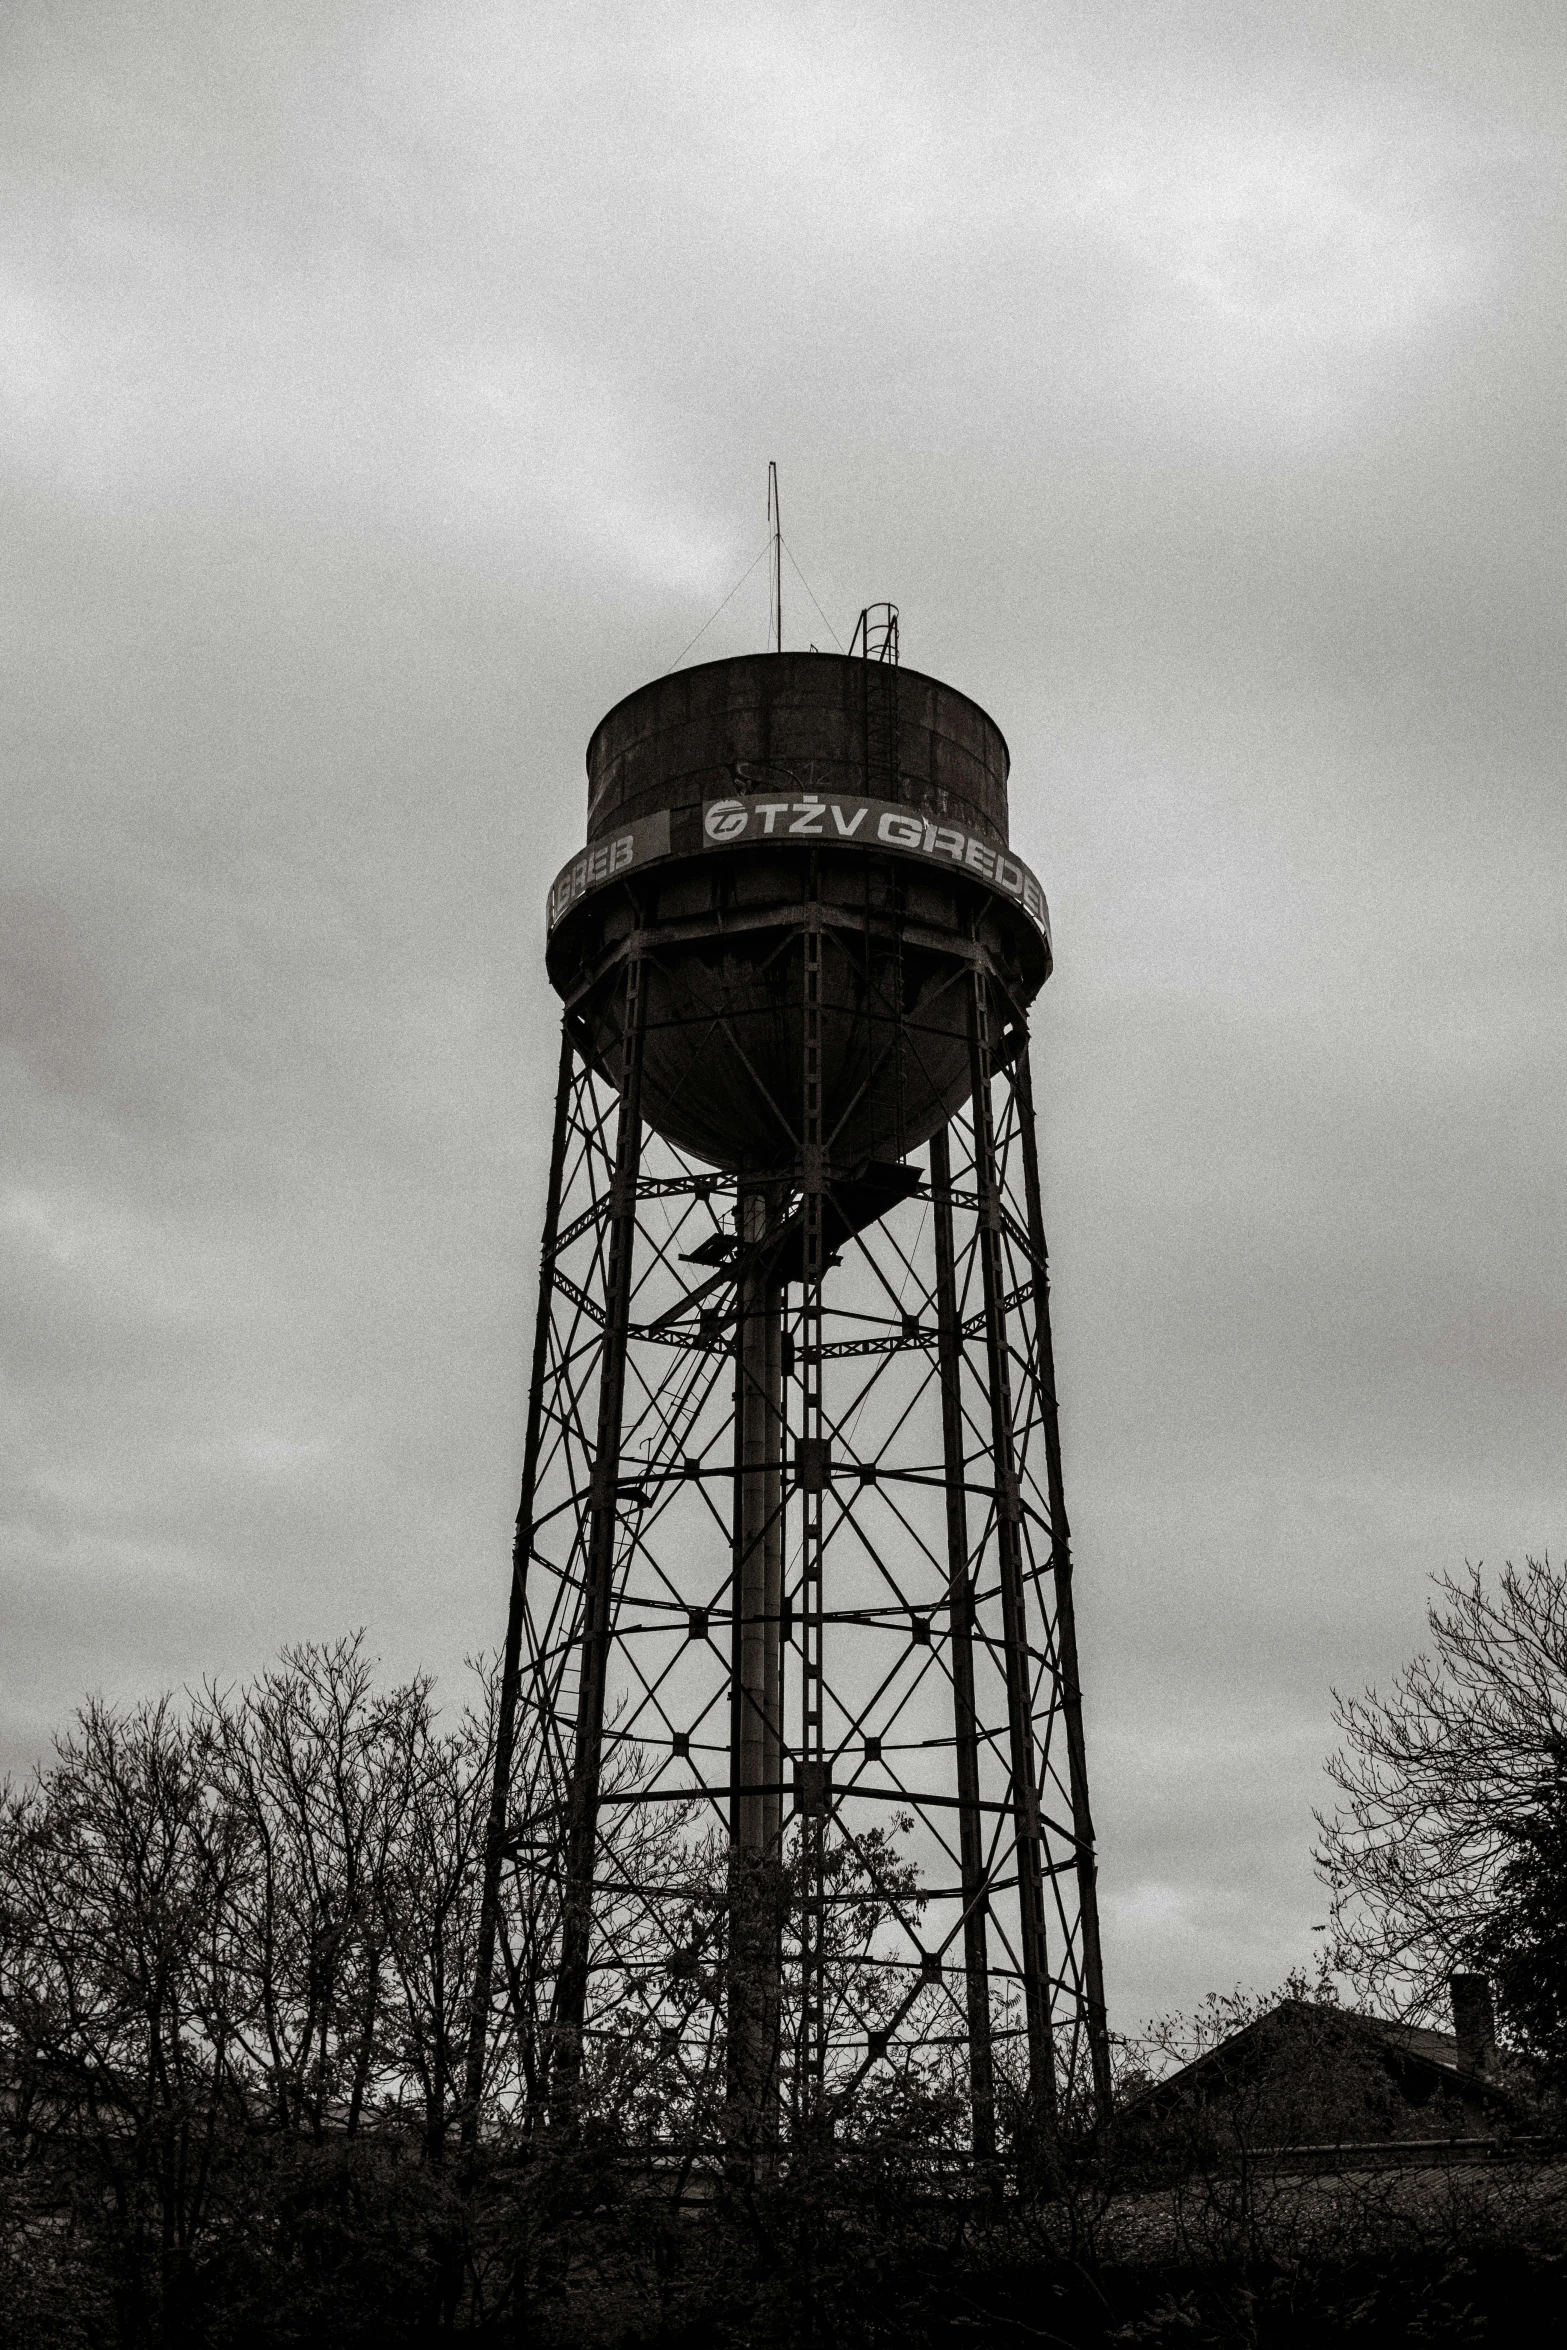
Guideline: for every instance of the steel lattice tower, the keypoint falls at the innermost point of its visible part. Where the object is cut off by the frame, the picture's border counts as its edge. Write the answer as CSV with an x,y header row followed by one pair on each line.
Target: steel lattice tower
x,y
791,1644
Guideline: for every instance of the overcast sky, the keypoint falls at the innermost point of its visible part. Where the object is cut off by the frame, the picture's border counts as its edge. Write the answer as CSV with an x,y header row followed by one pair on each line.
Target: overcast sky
x,y
385,390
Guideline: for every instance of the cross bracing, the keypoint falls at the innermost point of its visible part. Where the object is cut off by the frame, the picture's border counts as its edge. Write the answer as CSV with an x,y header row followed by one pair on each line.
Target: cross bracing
x,y
794,1645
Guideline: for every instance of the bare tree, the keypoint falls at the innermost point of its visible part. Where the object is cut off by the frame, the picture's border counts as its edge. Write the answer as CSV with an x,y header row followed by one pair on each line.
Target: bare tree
x,y
1434,1776
235,1958
314,1768
117,2007
427,1896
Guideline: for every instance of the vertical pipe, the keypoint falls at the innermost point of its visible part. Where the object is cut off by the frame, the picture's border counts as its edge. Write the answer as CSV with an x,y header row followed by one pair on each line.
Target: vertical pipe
x,y
757,1709
773,1588
775,517
1066,1620
813,1792
571,1981
960,1602
1028,1840
511,1658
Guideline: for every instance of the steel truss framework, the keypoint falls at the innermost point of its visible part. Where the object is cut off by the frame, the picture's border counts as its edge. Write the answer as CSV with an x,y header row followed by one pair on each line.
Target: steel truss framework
x,y
793,1594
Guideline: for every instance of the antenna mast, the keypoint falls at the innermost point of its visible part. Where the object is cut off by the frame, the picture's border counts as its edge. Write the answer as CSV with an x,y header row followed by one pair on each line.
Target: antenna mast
x,y
775,616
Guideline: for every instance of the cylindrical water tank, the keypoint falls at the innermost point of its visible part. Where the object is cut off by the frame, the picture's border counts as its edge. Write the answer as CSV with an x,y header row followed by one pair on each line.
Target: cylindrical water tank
x,y
731,806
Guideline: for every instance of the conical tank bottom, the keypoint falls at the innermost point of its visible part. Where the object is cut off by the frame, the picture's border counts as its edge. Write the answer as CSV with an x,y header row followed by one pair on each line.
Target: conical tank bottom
x,y
724,1051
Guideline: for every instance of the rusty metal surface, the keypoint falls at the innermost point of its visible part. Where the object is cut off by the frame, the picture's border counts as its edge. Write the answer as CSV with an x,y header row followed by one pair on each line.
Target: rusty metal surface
x,y
797,719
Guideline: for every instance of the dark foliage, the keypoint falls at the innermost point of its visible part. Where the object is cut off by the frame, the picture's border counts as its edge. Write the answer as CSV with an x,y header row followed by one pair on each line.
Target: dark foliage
x,y
1438,1778
1488,2296
236,1947
1523,1946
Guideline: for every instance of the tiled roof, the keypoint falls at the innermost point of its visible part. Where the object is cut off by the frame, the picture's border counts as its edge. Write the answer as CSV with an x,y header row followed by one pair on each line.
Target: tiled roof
x,y
1422,2050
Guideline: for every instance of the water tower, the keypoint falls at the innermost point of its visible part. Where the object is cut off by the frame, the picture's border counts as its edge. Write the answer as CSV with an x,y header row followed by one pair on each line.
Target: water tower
x,y
791,1650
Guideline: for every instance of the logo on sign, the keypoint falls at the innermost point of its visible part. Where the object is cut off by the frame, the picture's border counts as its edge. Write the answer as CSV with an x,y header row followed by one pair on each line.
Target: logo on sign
x,y
724,819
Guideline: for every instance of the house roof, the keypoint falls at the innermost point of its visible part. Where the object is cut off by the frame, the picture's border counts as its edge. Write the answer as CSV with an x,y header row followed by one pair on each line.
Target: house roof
x,y
1426,2060
1438,2048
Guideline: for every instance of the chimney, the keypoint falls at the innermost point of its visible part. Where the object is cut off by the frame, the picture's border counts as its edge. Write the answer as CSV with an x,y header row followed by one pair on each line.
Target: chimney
x,y
1474,2023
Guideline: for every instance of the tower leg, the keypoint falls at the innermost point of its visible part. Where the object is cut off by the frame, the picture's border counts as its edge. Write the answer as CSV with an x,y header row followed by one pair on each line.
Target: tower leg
x,y
960,1601
511,1656
1027,1828
1066,1620
814,1795
582,1804
756,1736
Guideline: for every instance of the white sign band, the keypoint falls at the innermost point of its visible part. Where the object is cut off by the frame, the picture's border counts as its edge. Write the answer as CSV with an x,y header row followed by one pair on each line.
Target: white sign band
x,y
839,819
843,820
606,860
